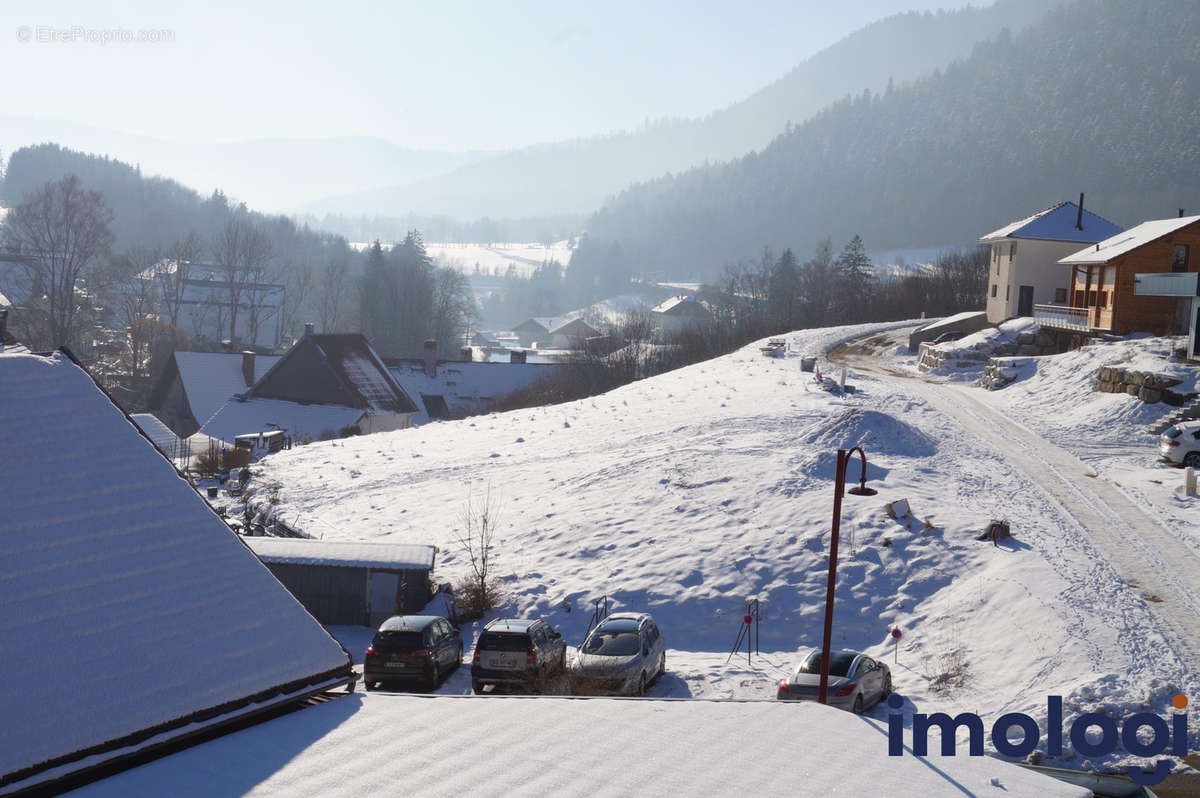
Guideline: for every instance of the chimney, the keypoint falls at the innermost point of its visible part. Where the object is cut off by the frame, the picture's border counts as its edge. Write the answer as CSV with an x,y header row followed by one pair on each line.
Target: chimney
x,y
431,357
248,367
516,356
227,346
1079,218
1181,213
466,354
308,329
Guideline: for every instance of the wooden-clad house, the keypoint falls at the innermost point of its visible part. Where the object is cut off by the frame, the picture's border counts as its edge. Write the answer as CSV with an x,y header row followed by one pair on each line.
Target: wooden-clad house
x,y
1123,284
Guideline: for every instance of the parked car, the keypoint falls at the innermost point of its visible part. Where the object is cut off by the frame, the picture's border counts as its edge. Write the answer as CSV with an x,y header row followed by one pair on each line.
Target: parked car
x,y
856,681
1180,444
952,335
514,653
622,655
412,648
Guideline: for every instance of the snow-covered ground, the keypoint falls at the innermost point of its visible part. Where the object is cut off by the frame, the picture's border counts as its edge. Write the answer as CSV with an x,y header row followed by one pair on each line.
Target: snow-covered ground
x,y
497,258
688,493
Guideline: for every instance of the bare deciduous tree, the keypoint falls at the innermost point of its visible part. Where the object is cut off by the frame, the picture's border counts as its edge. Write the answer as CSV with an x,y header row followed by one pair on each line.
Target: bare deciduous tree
x,y
173,286
333,287
243,252
480,520
63,229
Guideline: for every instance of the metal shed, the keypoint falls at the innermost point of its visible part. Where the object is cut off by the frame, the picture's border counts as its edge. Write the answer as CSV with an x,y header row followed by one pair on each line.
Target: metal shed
x,y
349,582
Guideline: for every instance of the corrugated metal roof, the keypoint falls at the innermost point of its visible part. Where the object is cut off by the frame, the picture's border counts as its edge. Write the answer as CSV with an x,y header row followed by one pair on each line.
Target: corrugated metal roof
x,y
1129,240
343,553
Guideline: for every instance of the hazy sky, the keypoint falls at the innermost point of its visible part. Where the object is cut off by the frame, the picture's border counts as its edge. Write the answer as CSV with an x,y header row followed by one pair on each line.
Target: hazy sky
x,y
429,74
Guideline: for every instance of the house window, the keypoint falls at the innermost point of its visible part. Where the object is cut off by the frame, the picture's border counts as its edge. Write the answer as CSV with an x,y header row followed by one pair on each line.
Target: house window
x,y
1007,292
993,290
1060,296
1102,300
1180,264
996,257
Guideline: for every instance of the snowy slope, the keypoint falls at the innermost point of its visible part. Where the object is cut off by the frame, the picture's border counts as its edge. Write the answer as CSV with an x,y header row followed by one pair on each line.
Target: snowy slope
x,y
548,746
688,493
126,603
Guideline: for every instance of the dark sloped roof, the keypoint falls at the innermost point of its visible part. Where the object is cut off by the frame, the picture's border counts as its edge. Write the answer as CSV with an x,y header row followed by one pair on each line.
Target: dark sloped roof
x,y
1057,223
130,611
339,369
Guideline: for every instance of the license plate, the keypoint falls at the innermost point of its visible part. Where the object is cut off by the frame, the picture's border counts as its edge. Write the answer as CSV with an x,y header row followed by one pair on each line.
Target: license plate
x,y
394,664
505,663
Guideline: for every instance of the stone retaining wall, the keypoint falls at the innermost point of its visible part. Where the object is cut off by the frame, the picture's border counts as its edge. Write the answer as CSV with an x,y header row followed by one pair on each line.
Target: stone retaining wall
x,y
1149,386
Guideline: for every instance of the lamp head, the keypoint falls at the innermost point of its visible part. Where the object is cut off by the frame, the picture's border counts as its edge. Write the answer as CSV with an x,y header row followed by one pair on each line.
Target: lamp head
x,y
863,490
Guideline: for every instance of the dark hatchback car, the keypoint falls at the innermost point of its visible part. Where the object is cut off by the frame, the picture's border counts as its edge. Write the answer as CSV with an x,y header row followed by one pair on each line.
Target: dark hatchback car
x,y
418,649
517,654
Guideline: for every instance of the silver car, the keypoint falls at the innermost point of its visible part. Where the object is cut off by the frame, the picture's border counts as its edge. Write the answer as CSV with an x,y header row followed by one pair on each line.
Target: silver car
x,y
621,656
856,681
1180,445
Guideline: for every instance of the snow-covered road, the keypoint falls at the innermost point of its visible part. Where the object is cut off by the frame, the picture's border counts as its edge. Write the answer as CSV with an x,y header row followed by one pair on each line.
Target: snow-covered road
x,y
1147,557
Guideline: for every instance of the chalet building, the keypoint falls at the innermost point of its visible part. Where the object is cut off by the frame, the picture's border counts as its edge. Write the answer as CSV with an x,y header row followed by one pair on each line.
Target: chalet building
x,y
323,387
1142,280
680,313
1024,268
536,331
195,385
133,619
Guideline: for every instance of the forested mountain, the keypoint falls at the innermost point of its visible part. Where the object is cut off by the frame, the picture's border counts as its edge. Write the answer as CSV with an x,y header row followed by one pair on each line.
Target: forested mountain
x,y
577,176
1103,96
277,174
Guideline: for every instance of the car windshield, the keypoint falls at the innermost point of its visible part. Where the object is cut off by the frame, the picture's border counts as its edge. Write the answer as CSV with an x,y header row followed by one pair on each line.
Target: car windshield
x,y
616,639
396,641
490,641
839,663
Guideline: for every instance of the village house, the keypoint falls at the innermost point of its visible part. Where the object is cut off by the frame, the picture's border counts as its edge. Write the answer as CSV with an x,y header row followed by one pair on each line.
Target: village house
x,y
133,618
326,386
195,385
445,389
1024,269
679,314
1142,280
547,332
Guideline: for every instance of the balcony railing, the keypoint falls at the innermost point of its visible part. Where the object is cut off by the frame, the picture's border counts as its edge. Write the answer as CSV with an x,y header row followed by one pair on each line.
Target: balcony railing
x,y
1066,318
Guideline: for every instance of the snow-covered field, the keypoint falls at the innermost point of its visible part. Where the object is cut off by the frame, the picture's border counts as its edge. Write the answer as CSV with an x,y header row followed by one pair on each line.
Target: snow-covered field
x,y
688,493
497,258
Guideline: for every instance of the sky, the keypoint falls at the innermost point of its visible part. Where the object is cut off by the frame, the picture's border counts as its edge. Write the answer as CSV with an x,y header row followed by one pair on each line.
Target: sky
x,y
426,75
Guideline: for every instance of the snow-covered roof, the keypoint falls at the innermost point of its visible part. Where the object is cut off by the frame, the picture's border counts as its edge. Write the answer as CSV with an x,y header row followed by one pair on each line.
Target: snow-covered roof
x,y
336,369
1129,240
310,422
1056,223
574,327
128,605
156,431
602,747
211,378
679,304
546,323
343,553
465,387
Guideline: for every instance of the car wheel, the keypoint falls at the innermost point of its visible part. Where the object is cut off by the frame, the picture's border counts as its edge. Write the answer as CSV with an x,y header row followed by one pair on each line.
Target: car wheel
x,y
858,705
887,687
368,686
435,677
641,690
662,664
1192,460
458,661
562,661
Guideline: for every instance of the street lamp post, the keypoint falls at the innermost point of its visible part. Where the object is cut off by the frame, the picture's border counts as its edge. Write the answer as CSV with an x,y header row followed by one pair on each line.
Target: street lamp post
x,y
839,489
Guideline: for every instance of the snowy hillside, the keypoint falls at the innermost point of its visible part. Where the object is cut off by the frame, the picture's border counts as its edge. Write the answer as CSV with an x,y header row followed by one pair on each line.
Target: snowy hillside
x,y
688,493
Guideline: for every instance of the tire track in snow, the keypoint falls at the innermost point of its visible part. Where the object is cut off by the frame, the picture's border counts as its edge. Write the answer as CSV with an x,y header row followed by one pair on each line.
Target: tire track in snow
x,y
1146,556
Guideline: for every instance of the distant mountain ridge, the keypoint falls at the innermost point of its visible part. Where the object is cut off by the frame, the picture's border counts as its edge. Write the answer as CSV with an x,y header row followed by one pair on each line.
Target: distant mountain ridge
x,y
1103,96
573,177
